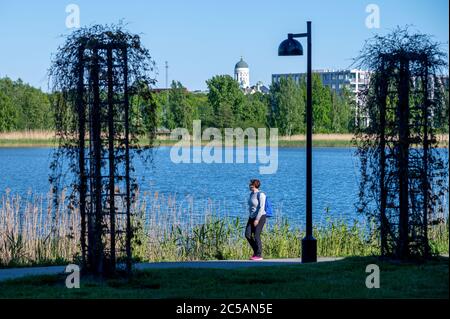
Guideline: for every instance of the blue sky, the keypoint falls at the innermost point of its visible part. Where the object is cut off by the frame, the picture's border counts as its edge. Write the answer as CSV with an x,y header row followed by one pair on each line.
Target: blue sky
x,y
203,38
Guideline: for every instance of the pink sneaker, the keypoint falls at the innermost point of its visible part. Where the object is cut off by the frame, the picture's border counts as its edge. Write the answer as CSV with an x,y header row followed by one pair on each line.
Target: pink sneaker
x,y
256,258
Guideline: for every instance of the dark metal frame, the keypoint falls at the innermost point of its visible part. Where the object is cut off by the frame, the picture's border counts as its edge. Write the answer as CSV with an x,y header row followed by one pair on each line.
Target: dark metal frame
x,y
105,119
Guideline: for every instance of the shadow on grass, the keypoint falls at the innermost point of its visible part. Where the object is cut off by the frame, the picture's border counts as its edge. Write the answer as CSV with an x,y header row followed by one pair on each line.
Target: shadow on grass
x,y
335,279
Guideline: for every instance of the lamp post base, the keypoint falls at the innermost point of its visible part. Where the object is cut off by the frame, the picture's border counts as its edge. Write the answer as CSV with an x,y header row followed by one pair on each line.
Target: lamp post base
x,y
309,250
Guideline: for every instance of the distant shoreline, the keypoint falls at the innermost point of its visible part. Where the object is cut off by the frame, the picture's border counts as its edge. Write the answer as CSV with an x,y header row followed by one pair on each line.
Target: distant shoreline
x,y
47,139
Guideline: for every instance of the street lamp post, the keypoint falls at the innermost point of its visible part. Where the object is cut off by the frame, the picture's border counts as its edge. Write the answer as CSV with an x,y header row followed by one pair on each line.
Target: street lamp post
x,y
291,47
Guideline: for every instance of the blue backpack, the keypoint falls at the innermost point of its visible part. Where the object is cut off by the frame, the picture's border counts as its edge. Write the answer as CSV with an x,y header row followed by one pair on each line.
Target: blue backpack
x,y
267,207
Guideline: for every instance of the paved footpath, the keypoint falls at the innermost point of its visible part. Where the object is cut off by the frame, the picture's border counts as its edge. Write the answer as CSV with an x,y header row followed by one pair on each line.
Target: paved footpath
x,y
12,273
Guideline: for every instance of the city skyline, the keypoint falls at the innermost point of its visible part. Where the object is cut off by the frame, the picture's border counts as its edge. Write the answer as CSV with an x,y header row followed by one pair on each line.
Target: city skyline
x,y
203,39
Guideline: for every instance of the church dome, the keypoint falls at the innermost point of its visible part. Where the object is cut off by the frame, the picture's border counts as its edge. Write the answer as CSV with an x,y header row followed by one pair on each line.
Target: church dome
x,y
241,64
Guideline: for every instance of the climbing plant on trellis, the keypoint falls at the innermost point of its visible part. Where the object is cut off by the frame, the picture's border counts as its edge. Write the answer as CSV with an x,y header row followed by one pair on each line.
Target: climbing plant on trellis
x,y
101,80
402,170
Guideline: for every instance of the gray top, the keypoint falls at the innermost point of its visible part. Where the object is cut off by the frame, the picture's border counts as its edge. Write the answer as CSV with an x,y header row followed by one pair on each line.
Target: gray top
x,y
253,205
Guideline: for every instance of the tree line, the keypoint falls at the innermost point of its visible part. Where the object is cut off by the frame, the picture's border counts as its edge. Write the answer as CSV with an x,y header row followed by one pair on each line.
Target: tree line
x,y
23,107
226,105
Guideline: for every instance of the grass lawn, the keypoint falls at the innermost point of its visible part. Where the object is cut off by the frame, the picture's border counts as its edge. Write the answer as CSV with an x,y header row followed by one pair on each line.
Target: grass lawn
x,y
340,279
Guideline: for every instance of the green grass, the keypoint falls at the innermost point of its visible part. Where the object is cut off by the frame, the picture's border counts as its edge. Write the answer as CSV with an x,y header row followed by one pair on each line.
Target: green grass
x,y
339,279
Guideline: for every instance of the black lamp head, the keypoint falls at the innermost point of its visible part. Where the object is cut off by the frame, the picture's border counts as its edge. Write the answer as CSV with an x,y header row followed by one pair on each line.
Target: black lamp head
x,y
290,47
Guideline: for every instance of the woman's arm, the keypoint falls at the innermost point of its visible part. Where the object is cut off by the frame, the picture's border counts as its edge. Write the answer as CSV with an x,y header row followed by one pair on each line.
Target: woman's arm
x,y
262,204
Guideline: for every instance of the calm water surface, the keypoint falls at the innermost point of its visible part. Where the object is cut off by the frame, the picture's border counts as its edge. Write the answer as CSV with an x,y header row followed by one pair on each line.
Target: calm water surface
x,y
335,181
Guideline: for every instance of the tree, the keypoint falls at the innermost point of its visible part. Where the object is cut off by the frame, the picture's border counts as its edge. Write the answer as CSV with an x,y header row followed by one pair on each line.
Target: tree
x,y
442,111
340,112
160,100
322,106
227,101
181,113
145,111
288,107
256,110
35,109
8,114
29,107
201,109
348,120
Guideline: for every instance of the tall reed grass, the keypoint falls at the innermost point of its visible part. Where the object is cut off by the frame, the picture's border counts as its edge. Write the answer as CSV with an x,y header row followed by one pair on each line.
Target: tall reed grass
x,y
32,232
35,232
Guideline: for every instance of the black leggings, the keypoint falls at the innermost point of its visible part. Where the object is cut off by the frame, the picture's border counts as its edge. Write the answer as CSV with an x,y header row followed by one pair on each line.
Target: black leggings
x,y
256,231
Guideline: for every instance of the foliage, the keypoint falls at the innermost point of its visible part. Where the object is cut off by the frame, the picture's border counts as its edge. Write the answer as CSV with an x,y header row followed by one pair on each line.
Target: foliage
x,y
180,112
201,109
403,174
23,107
322,106
288,107
226,100
257,112
283,107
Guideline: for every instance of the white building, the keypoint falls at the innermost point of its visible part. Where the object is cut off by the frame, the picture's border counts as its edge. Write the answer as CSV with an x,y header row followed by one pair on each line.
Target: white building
x,y
242,74
258,87
354,80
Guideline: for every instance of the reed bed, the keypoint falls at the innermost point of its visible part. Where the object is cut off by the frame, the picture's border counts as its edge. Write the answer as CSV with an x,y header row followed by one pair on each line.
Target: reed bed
x,y
35,232
32,138
47,134
28,135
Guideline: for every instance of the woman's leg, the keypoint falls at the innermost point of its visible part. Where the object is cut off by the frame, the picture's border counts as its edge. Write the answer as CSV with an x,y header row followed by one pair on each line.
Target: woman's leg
x,y
249,230
258,231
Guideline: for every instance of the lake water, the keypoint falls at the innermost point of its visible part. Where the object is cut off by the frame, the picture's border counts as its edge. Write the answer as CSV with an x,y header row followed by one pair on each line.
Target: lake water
x,y
335,181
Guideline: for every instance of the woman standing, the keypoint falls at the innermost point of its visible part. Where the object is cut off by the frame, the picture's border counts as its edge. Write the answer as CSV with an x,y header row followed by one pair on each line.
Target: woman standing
x,y
257,218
